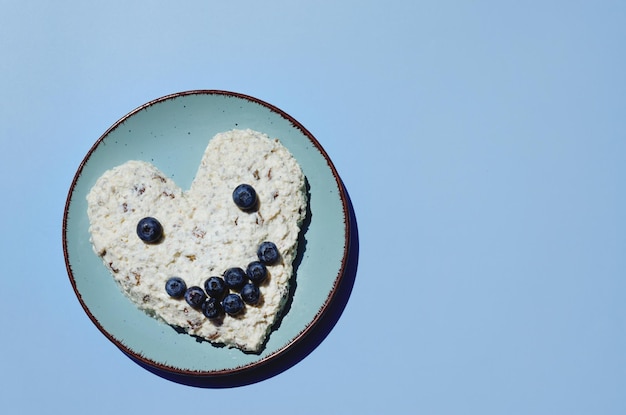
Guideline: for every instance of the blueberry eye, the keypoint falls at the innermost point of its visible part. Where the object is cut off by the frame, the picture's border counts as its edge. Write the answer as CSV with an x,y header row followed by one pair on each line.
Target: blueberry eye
x,y
244,197
268,253
149,230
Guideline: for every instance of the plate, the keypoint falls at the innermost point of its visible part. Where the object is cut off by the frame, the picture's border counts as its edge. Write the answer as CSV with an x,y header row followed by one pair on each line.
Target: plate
x,y
172,133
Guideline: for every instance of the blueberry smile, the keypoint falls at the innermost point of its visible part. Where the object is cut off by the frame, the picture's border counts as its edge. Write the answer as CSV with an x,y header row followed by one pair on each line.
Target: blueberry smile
x,y
226,294
149,230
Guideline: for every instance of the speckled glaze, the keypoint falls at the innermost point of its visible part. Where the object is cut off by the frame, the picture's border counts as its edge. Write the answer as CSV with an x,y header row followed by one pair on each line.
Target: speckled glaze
x,y
172,132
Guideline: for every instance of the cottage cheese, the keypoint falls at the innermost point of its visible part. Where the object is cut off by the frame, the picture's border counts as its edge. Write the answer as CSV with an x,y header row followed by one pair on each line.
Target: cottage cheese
x,y
205,233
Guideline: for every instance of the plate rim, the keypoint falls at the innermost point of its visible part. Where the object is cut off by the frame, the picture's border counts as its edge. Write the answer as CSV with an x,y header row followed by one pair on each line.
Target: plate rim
x,y
284,349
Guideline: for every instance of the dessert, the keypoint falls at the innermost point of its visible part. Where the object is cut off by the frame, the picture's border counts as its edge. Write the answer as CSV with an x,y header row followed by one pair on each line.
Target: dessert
x,y
215,261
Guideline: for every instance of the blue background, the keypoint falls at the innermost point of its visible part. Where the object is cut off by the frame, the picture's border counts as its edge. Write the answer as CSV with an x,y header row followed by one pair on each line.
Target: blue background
x,y
483,145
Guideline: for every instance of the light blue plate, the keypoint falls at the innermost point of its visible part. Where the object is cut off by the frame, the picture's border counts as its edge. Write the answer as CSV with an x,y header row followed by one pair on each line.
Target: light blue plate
x,y
172,133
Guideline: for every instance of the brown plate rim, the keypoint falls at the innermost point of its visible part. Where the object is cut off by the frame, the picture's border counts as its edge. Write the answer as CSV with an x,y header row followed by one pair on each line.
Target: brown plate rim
x,y
258,364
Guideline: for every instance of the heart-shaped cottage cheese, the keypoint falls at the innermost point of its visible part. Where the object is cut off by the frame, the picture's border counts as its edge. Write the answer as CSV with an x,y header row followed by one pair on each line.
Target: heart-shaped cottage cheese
x,y
204,232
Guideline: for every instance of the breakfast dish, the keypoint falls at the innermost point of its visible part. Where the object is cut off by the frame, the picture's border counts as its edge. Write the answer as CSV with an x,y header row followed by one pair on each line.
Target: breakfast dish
x,y
214,261
170,135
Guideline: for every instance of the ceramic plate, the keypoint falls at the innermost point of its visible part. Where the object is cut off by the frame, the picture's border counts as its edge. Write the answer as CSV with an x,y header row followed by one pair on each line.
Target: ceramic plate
x,y
172,133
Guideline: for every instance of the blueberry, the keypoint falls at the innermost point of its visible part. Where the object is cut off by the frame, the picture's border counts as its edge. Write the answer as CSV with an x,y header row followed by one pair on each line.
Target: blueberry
x,y
244,197
175,287
149,230
195,296
232,304
268,253
212,308
250,293
235,278
215,287
257,272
